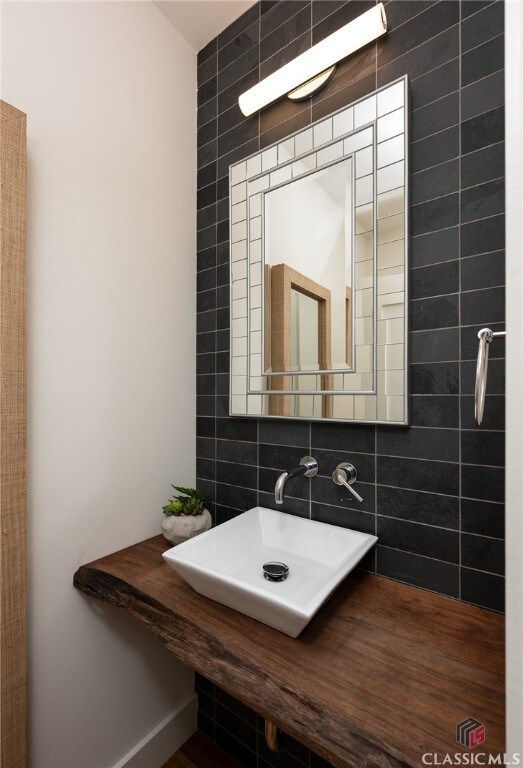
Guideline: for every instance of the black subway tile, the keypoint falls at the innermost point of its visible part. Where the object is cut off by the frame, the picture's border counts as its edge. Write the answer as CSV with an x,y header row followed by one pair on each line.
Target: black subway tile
x,y
434,182
487,483
207,90
485,306
207,111
483,165
435,149
482,26
438,312
435,214
435,346
483,517
418,507
344,518
423,27
420,539
419,443
435,280
435,378
205,447
281,36
483,236
436,116
346,437
482,201
205,280
284,432
205,342
235,498
419,571
205,385
205,405
478,132
423,58
435,411
479,447
323,8
206,70
206,363
483,95
237,429
483,553
435,84
483,271
205,469
236,451
245,40
435,247
279,14
432,476
206,258
484,589
482,61
205,426
236,474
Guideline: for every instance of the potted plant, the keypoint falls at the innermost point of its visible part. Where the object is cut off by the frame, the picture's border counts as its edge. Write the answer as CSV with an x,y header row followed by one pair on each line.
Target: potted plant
x,y
185,516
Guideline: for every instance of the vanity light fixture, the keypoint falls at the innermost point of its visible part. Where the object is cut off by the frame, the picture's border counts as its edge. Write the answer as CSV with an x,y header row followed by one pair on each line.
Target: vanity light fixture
x,y
312,70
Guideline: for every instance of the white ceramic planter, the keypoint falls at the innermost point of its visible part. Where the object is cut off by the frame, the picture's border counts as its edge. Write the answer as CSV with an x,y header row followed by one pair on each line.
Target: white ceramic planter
x,y
178,528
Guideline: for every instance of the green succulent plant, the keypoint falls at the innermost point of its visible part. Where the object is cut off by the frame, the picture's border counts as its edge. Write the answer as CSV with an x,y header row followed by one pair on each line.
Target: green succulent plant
x,y
191,502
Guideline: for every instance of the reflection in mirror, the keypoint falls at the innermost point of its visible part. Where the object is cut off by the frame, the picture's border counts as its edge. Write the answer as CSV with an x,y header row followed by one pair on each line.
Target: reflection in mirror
x,y
308,232
318,269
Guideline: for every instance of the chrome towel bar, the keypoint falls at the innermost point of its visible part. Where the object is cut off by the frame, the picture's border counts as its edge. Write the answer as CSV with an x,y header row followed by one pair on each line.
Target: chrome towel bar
x,y
485,336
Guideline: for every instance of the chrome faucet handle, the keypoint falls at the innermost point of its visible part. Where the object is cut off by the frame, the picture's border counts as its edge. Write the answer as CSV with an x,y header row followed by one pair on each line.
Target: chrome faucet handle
x,y
311,464
346,474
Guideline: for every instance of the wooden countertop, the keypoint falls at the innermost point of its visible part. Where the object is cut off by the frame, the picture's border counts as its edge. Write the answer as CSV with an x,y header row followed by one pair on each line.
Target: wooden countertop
x,y
380,676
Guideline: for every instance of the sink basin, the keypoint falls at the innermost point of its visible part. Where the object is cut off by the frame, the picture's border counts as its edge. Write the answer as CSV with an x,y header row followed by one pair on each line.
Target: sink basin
x,y
226,564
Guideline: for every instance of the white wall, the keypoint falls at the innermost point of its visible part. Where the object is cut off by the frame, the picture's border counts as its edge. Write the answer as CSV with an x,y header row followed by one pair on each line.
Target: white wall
x,y
109,90
514,418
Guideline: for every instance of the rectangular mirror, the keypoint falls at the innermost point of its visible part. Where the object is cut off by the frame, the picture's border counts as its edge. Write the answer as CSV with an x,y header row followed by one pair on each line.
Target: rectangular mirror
x,y
318,226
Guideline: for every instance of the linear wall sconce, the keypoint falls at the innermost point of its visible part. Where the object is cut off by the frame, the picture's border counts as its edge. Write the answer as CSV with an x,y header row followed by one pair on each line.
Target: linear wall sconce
x,y
312,70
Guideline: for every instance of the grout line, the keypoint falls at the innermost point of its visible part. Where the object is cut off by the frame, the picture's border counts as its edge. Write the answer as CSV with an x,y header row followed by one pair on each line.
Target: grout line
x,y
475,48
415,48
439,560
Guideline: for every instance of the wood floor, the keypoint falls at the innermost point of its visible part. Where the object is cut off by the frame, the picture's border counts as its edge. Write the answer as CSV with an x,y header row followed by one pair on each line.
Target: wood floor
x,y
201,752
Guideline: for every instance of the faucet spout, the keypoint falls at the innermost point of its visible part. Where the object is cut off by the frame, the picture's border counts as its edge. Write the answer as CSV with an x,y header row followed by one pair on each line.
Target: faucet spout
x,y
280,487
308,467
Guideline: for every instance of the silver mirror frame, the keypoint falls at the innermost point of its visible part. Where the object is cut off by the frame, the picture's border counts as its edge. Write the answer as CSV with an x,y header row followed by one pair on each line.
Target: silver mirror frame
x,y
385,113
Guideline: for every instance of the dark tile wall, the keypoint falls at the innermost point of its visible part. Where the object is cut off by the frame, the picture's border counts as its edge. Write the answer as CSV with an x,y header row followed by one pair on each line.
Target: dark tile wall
x,y
433,492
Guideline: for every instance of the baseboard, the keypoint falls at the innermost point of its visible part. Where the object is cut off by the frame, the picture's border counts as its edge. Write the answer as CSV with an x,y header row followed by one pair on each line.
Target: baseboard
x,y
165,739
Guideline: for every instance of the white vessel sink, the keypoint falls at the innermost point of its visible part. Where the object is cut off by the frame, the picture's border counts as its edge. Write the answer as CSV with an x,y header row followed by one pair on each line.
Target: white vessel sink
x,y
226,564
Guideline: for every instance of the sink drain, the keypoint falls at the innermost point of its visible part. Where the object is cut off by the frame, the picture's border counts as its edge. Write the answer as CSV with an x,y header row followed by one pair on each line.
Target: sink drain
x,y
275,571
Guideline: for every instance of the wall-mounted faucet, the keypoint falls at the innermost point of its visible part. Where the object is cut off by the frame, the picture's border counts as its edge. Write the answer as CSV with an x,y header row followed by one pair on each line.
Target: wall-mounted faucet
x,y
346,474
308,467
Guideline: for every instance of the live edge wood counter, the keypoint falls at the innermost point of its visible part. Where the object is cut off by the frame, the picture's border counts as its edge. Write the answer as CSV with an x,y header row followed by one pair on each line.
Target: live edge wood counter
x,y
380,676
